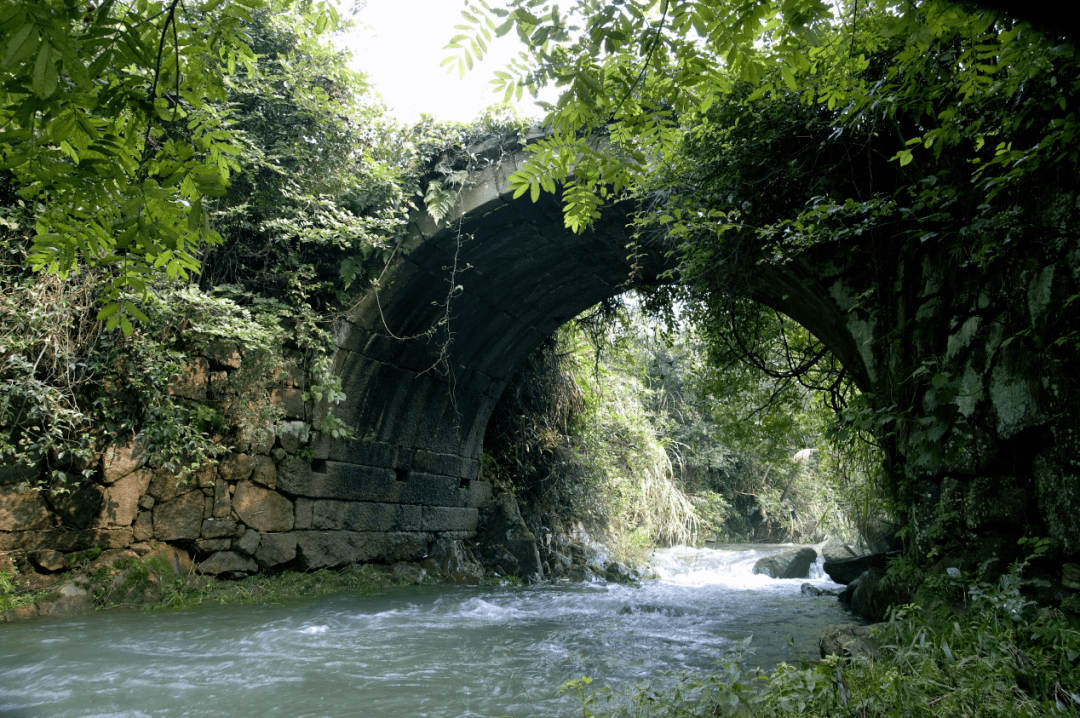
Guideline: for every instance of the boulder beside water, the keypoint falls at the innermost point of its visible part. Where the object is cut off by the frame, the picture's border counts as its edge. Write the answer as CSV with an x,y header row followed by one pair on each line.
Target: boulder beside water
x,y
793,563
847,570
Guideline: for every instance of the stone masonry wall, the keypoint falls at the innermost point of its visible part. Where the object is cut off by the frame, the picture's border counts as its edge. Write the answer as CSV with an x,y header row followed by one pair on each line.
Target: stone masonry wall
x,y
260,507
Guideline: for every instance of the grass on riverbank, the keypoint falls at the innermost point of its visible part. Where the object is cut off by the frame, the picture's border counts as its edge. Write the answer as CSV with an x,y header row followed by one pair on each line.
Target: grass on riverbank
x,y
995,654
180,592
123,580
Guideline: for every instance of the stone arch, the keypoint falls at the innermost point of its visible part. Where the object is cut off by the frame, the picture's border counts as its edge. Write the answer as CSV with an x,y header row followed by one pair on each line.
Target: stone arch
x,y
422,376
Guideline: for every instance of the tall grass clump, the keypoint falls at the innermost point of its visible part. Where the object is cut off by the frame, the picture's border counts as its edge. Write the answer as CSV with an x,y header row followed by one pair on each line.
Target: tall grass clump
x,y
619,451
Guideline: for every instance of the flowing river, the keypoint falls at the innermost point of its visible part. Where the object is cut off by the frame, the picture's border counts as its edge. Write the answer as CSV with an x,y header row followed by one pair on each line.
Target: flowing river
x,y
414,651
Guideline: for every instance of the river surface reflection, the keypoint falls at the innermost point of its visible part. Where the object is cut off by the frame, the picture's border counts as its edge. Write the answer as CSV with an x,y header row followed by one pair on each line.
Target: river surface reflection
x,y
418,651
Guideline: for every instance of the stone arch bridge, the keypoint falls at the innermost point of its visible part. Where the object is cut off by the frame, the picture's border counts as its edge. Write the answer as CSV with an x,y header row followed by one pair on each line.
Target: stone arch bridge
x,y
425,356
925,337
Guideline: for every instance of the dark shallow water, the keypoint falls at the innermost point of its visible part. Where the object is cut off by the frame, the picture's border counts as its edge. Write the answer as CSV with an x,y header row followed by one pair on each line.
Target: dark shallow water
x,y
419,651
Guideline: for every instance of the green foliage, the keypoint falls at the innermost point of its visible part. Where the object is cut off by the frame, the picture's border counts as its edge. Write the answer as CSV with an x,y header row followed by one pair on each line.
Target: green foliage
x,y
116,127
635,71
11,597
321,195
69,385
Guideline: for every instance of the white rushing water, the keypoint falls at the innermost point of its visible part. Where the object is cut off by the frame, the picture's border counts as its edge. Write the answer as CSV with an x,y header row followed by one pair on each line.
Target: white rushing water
x,y
419,651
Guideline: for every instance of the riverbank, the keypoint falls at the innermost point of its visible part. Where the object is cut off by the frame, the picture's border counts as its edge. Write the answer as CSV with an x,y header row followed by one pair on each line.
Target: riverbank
x,y
165,579
160,576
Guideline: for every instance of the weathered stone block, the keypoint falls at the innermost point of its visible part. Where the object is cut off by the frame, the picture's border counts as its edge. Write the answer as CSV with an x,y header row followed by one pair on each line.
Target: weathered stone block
x,y
276,549
120,501
122,458
328,515
340,481
180,518
432,490
222,500
995,501
264,510
445,464
302,510
205,545
206,475
293,435
264,471
228,562
77,509
1016,391
318,549
478,494
164,485
448,518
219,384
49,560
216,528
19,473
249,542
1057,482
193,380
364,516
23,509
235,467
291,402
143,528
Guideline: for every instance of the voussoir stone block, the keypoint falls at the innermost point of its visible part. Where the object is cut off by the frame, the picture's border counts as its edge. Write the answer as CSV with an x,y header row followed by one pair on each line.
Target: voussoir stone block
x,y
262,509
179,518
